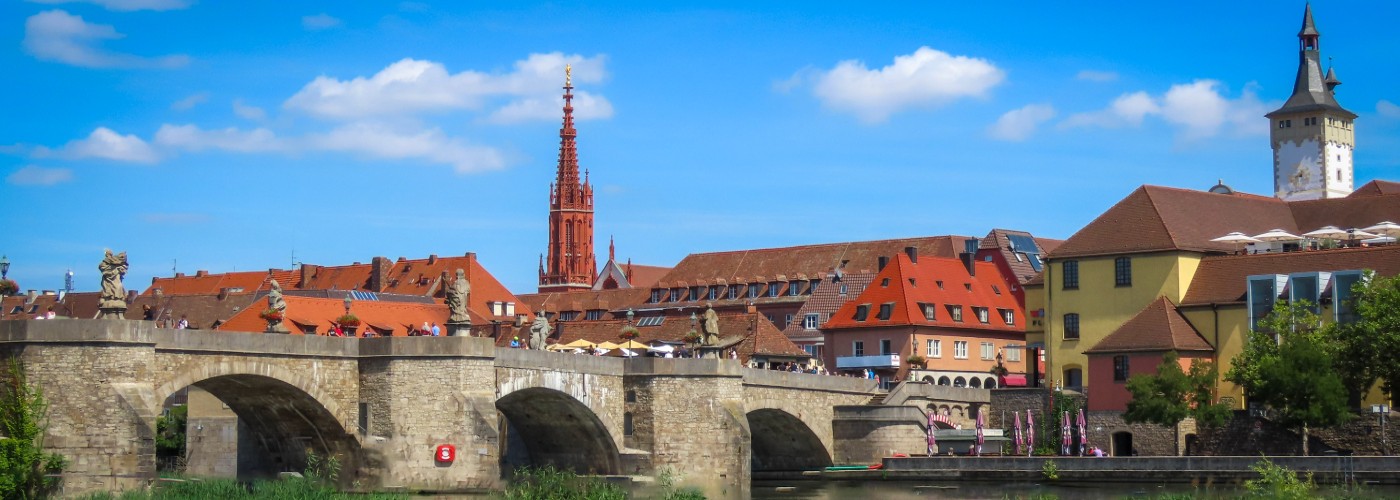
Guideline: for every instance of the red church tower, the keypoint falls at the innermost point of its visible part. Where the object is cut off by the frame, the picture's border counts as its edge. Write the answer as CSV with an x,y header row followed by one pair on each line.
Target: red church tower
x,y
570,264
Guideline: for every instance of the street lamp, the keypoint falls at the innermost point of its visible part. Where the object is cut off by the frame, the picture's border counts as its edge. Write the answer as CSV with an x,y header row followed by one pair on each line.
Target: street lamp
x,y
4,267
348,300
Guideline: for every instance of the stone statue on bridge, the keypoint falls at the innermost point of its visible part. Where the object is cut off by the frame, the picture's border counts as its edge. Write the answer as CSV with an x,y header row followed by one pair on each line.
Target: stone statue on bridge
x,y
457,295
710,327
112,303
276,309
539,331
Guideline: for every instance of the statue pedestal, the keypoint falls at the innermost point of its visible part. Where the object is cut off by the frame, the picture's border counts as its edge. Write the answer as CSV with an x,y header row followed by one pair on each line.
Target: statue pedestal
x,y
111,312
463,329
277,327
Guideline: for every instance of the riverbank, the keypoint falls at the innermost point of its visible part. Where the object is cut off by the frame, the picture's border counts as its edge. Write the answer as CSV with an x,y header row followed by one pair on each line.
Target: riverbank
x,y
1189,470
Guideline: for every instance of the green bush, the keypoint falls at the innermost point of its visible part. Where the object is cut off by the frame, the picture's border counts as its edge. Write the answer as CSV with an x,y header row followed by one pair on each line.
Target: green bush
x,y
25,470
548,483
1278,482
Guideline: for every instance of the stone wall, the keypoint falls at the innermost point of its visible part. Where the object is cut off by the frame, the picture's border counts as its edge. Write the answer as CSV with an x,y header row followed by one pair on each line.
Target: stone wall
x,y
1147,439
813,404
698,421
865,434
211,437
1198,470
1246,435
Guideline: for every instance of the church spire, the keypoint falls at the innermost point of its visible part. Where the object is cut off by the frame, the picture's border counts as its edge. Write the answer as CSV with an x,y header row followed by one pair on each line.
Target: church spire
x,y
1311,134
1312,90
570,264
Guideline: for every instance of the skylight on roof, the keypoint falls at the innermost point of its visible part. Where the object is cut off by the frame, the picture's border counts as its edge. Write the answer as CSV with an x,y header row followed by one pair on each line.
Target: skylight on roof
x,y
650,320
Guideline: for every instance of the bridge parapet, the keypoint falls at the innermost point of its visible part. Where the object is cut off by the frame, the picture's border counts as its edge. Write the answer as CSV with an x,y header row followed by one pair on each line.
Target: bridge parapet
x,y
254,343
808,381
531,359
918,393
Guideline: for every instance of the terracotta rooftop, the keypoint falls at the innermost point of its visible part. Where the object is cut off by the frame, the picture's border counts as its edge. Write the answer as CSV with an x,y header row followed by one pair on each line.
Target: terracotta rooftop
x,y
73,305
824,302
1155,218
583,301
940,282
394,317
1376,188
202,311
1158,327
800,262
1222,279
646,276
203,283
1018,259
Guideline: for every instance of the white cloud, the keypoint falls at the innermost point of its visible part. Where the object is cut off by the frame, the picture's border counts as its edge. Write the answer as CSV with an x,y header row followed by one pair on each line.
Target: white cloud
x,y
378,141
32,175
128,5
1198,110
190,102
1019,124
411,86
1096,76
927,77
193,138
248,112
319,22
587,106
1387,109
105,144
55,35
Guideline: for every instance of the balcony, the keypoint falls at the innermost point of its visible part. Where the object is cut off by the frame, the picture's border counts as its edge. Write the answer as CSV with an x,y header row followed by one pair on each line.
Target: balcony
x,y
880,361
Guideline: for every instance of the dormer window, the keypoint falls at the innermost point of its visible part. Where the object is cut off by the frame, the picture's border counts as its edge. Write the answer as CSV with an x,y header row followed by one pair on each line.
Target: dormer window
x,y
884,283
955,312
862,312
774,288
981,314
1008,316
885,310
755,289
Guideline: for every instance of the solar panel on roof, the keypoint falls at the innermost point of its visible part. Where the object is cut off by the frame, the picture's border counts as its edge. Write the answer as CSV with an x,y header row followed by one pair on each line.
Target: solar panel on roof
x,y
1023,244
362,295
1034,260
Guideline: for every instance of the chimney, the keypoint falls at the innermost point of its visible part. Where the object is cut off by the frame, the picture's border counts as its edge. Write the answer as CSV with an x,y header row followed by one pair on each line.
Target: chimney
x,y
223,293
201,273
179,275
751,308
432,259
308,271
969,256
881,265
379,268
913,253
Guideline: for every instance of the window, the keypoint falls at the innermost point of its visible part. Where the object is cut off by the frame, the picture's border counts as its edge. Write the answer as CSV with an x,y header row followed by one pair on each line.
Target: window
x,y
786,321
627,428
594,314
364,418
955,312
1008,316
960,349
1342,296
1263,291
1120,368
1123,271
677,294
714,292
812,287
655,296
989,351
930,312
810,321
842,291
697,292
631,396
996,290
1306,287
1013,353
567,315
935,348
885,310
755,289
774,288
885,346
795,288
884,282
858,348
981,314
1071,274
862,312
1071,326
734,291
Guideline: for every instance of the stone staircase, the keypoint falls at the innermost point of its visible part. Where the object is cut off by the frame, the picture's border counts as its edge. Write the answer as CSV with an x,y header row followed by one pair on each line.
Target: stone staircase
x,y
876,400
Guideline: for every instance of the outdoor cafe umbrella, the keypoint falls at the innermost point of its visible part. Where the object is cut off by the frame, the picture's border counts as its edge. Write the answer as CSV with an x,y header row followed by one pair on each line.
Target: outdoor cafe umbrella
x,y
932,441
980,437
1064,433
663,348
1327,233
1277,235
607,345
632,344
1017,414
1378,241
1386,228
580,344
1083,436
1030,433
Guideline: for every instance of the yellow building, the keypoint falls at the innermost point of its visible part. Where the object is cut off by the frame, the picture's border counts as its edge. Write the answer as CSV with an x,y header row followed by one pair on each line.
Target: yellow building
x,y
1152,244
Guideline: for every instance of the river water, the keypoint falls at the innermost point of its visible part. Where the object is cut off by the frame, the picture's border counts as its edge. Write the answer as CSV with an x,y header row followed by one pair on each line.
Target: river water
x,y
900,490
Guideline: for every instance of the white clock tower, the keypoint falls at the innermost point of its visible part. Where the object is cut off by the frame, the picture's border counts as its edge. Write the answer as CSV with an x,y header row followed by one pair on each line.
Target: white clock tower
x,y
1311,134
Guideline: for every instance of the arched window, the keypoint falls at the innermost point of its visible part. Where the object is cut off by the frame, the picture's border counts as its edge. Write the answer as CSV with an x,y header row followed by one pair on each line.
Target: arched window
x,y
991,383
976,383
944,380
959,382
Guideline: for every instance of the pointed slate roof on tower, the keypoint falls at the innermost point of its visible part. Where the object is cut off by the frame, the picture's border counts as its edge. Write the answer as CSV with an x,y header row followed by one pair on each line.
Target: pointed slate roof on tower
x,y
1311,89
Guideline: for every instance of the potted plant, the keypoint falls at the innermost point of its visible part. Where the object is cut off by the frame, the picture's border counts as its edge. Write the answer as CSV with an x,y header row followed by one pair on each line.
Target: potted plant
x,y
271,315
916,361
692,337
629,332
348,321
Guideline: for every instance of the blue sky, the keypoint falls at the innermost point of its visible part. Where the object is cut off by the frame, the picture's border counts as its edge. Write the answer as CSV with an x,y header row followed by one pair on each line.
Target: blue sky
x,y
243,135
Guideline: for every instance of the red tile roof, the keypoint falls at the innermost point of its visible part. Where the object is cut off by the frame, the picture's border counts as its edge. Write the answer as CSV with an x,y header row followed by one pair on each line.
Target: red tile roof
x,y
768,341
1155,218
1222,279
202,311
825,301
911,284
645,276
1158,327
800,262
1021,267
582,301
1376,187
203,283
320,313
424,277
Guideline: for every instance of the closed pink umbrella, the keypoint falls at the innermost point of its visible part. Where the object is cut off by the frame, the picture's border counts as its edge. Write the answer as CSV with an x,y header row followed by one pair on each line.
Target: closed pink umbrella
x,y
1064,433
1083,434
1030,433
980,437
1017,414
932,441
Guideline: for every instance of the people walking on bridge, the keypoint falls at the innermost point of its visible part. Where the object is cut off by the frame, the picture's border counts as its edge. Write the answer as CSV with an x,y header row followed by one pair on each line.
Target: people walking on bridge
x,y
437,331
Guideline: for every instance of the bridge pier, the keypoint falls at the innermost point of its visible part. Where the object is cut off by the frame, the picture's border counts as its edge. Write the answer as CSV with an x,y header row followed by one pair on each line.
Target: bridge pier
x,y
690,415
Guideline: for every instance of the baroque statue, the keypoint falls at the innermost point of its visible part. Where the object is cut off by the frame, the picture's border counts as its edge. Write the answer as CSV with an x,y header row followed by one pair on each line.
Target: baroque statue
x,y
112,303
539,331
710,326
457,295
275,302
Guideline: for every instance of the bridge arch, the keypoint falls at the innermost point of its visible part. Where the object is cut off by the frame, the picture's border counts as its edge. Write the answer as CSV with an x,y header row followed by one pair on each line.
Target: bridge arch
x,y
285,414
544,426
783,442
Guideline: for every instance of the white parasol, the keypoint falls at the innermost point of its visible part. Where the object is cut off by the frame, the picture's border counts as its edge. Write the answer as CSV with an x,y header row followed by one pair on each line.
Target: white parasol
x,y
1327,233
1277,235
1236,237
1386,228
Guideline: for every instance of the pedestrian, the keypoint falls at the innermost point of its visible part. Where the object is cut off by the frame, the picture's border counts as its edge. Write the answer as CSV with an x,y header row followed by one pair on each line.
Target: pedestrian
x,y
147,313
437,332
515,342
183,324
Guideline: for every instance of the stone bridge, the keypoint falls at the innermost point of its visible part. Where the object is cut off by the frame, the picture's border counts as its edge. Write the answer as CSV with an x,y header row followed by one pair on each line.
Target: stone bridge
x,y
384,405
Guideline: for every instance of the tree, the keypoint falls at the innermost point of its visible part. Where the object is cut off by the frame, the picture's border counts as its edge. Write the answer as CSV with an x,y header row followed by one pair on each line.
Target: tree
x,y
1377,301
1171,395
8,287
1288,364
170,434
25,470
